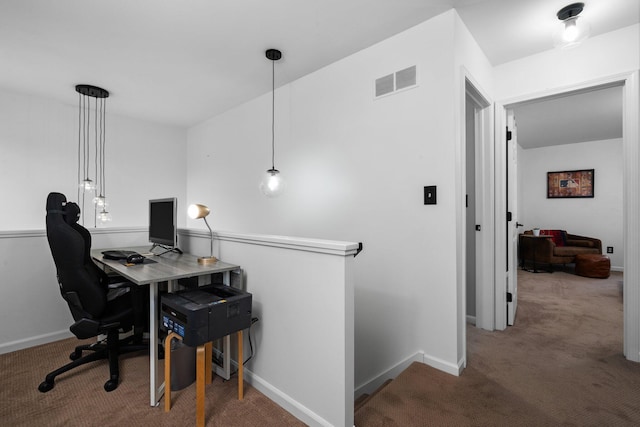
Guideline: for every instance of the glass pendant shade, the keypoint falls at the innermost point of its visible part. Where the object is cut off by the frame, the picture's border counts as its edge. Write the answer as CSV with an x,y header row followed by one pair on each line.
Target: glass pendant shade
x,y
100,201
104,216
87,185
272,184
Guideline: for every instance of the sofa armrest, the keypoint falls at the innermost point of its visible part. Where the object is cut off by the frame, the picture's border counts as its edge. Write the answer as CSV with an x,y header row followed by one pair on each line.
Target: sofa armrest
x,y
542,247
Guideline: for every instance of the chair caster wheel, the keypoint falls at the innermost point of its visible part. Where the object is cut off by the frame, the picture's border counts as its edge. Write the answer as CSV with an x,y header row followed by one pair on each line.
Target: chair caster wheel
x,y
111,385
45,386
75,356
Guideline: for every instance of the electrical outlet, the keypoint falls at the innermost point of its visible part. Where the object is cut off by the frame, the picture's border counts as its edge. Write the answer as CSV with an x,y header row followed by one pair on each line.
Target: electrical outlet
x,y
609,249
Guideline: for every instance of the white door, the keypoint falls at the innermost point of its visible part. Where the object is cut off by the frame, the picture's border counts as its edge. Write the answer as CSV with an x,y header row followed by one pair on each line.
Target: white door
x,y
512,218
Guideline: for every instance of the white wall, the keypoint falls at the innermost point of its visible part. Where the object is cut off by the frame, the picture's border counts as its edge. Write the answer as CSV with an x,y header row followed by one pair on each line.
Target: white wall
x,y
600,217
597,57
303,295
469,63
30,295
39,152
356,168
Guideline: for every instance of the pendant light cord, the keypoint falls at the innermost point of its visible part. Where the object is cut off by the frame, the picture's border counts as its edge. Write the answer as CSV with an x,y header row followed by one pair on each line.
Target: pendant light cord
x,y
273,112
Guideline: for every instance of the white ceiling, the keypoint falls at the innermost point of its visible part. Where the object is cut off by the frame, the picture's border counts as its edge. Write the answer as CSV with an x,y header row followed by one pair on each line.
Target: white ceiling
x,y
183,61
582,117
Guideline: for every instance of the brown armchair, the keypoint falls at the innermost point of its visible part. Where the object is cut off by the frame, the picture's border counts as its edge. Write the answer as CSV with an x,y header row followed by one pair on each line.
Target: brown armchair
x,y
544,250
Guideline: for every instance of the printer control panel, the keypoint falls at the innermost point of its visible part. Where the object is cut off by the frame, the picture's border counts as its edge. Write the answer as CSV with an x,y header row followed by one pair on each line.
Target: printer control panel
x,y
172,325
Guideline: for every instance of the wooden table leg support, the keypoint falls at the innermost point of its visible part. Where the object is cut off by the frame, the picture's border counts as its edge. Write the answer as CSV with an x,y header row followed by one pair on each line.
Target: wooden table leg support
x,y
204,355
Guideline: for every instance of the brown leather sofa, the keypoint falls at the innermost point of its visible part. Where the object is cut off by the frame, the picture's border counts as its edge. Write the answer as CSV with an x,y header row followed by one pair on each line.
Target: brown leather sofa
x,y
543,250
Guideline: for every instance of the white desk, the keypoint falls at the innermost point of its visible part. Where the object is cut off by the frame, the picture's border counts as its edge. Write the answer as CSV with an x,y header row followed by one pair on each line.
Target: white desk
x,y
168,267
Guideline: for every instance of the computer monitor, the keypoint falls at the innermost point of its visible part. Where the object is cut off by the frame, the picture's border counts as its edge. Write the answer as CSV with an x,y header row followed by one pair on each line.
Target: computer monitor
x,y
163,228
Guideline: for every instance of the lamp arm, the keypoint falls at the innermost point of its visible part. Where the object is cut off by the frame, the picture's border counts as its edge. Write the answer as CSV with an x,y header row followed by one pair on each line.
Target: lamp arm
x,y
211,233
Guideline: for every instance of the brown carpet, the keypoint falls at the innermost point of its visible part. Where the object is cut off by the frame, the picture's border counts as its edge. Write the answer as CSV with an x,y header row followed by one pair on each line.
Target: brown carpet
x,y
78,398
561,364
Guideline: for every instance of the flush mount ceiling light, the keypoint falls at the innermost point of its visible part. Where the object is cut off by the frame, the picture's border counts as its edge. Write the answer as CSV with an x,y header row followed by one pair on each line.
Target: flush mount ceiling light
x,y
573,30
91,159
272,183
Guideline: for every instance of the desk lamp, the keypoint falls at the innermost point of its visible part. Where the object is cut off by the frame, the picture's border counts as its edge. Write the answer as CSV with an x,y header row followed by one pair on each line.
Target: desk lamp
x,y
201,211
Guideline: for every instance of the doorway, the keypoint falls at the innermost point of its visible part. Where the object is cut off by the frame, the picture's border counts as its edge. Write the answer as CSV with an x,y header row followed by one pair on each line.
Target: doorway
x,y
631,210
478,210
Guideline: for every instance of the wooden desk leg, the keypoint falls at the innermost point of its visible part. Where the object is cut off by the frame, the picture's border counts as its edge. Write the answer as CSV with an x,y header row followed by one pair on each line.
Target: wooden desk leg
x,y
208,357
167,369
200,380
240,367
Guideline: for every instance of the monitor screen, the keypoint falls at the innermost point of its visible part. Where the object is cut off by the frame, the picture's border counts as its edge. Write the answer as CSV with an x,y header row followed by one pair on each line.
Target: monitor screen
x,y
163,229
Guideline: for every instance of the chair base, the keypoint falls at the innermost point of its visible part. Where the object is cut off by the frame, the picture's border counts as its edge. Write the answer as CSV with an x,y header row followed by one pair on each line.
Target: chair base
x,y
99,350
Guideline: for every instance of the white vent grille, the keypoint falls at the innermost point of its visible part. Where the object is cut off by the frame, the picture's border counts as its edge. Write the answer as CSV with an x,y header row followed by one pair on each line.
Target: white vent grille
x,y
399,80
384,85
406,78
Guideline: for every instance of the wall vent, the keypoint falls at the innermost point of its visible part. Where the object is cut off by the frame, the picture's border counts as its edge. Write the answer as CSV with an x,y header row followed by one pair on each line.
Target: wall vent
x,y
403,79
384,85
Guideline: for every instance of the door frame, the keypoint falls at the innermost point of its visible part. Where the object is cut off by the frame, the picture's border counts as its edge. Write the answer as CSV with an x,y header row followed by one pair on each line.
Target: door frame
x,y
484,159
484,186
631,194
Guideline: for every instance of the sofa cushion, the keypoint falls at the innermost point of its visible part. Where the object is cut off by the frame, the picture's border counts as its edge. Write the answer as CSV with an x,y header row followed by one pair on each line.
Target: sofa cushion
x,y
559,237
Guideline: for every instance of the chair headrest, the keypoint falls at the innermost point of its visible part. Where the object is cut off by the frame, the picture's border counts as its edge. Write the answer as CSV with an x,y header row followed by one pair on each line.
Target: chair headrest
x,y
56,203
71,213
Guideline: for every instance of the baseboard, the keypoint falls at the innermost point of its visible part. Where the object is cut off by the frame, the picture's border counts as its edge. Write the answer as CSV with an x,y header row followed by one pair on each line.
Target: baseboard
x,y
620,269
285,401
374,383
449,368
471,319
33,341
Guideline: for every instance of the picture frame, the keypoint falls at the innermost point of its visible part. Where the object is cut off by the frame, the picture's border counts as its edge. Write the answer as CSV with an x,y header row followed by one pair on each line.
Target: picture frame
x,y
570,184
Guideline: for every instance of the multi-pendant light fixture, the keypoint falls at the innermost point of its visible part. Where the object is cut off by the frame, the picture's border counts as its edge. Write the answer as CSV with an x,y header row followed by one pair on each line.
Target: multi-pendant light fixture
x,y
573,29
91,157
272,184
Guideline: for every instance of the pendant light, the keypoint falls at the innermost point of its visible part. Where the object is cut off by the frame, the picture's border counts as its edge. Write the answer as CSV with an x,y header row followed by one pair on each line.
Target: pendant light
x,y
573,29
92,124
272,184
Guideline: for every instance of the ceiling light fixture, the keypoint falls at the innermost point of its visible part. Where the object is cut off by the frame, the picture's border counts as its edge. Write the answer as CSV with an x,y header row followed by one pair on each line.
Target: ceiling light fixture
x,y
571,31
97,129
272,183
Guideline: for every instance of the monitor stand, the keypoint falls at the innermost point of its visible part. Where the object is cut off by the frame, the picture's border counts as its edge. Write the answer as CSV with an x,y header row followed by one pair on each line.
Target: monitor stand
x,y
166,249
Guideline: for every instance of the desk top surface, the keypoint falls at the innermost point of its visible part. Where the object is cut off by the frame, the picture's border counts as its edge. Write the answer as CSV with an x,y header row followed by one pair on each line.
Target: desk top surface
x,y
169,266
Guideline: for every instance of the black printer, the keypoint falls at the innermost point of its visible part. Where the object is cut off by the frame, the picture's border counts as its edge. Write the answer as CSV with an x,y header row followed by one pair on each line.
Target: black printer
x,y
206,313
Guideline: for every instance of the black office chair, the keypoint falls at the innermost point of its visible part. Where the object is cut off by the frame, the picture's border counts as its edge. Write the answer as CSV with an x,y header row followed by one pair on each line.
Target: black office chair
x,y
99,305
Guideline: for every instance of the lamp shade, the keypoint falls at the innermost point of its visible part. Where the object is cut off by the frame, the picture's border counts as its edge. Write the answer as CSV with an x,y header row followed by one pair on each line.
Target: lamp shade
x,y
196,211
272,184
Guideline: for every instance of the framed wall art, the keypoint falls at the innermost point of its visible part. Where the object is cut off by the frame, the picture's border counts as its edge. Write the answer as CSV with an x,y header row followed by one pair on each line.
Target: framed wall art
x,y
568,184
